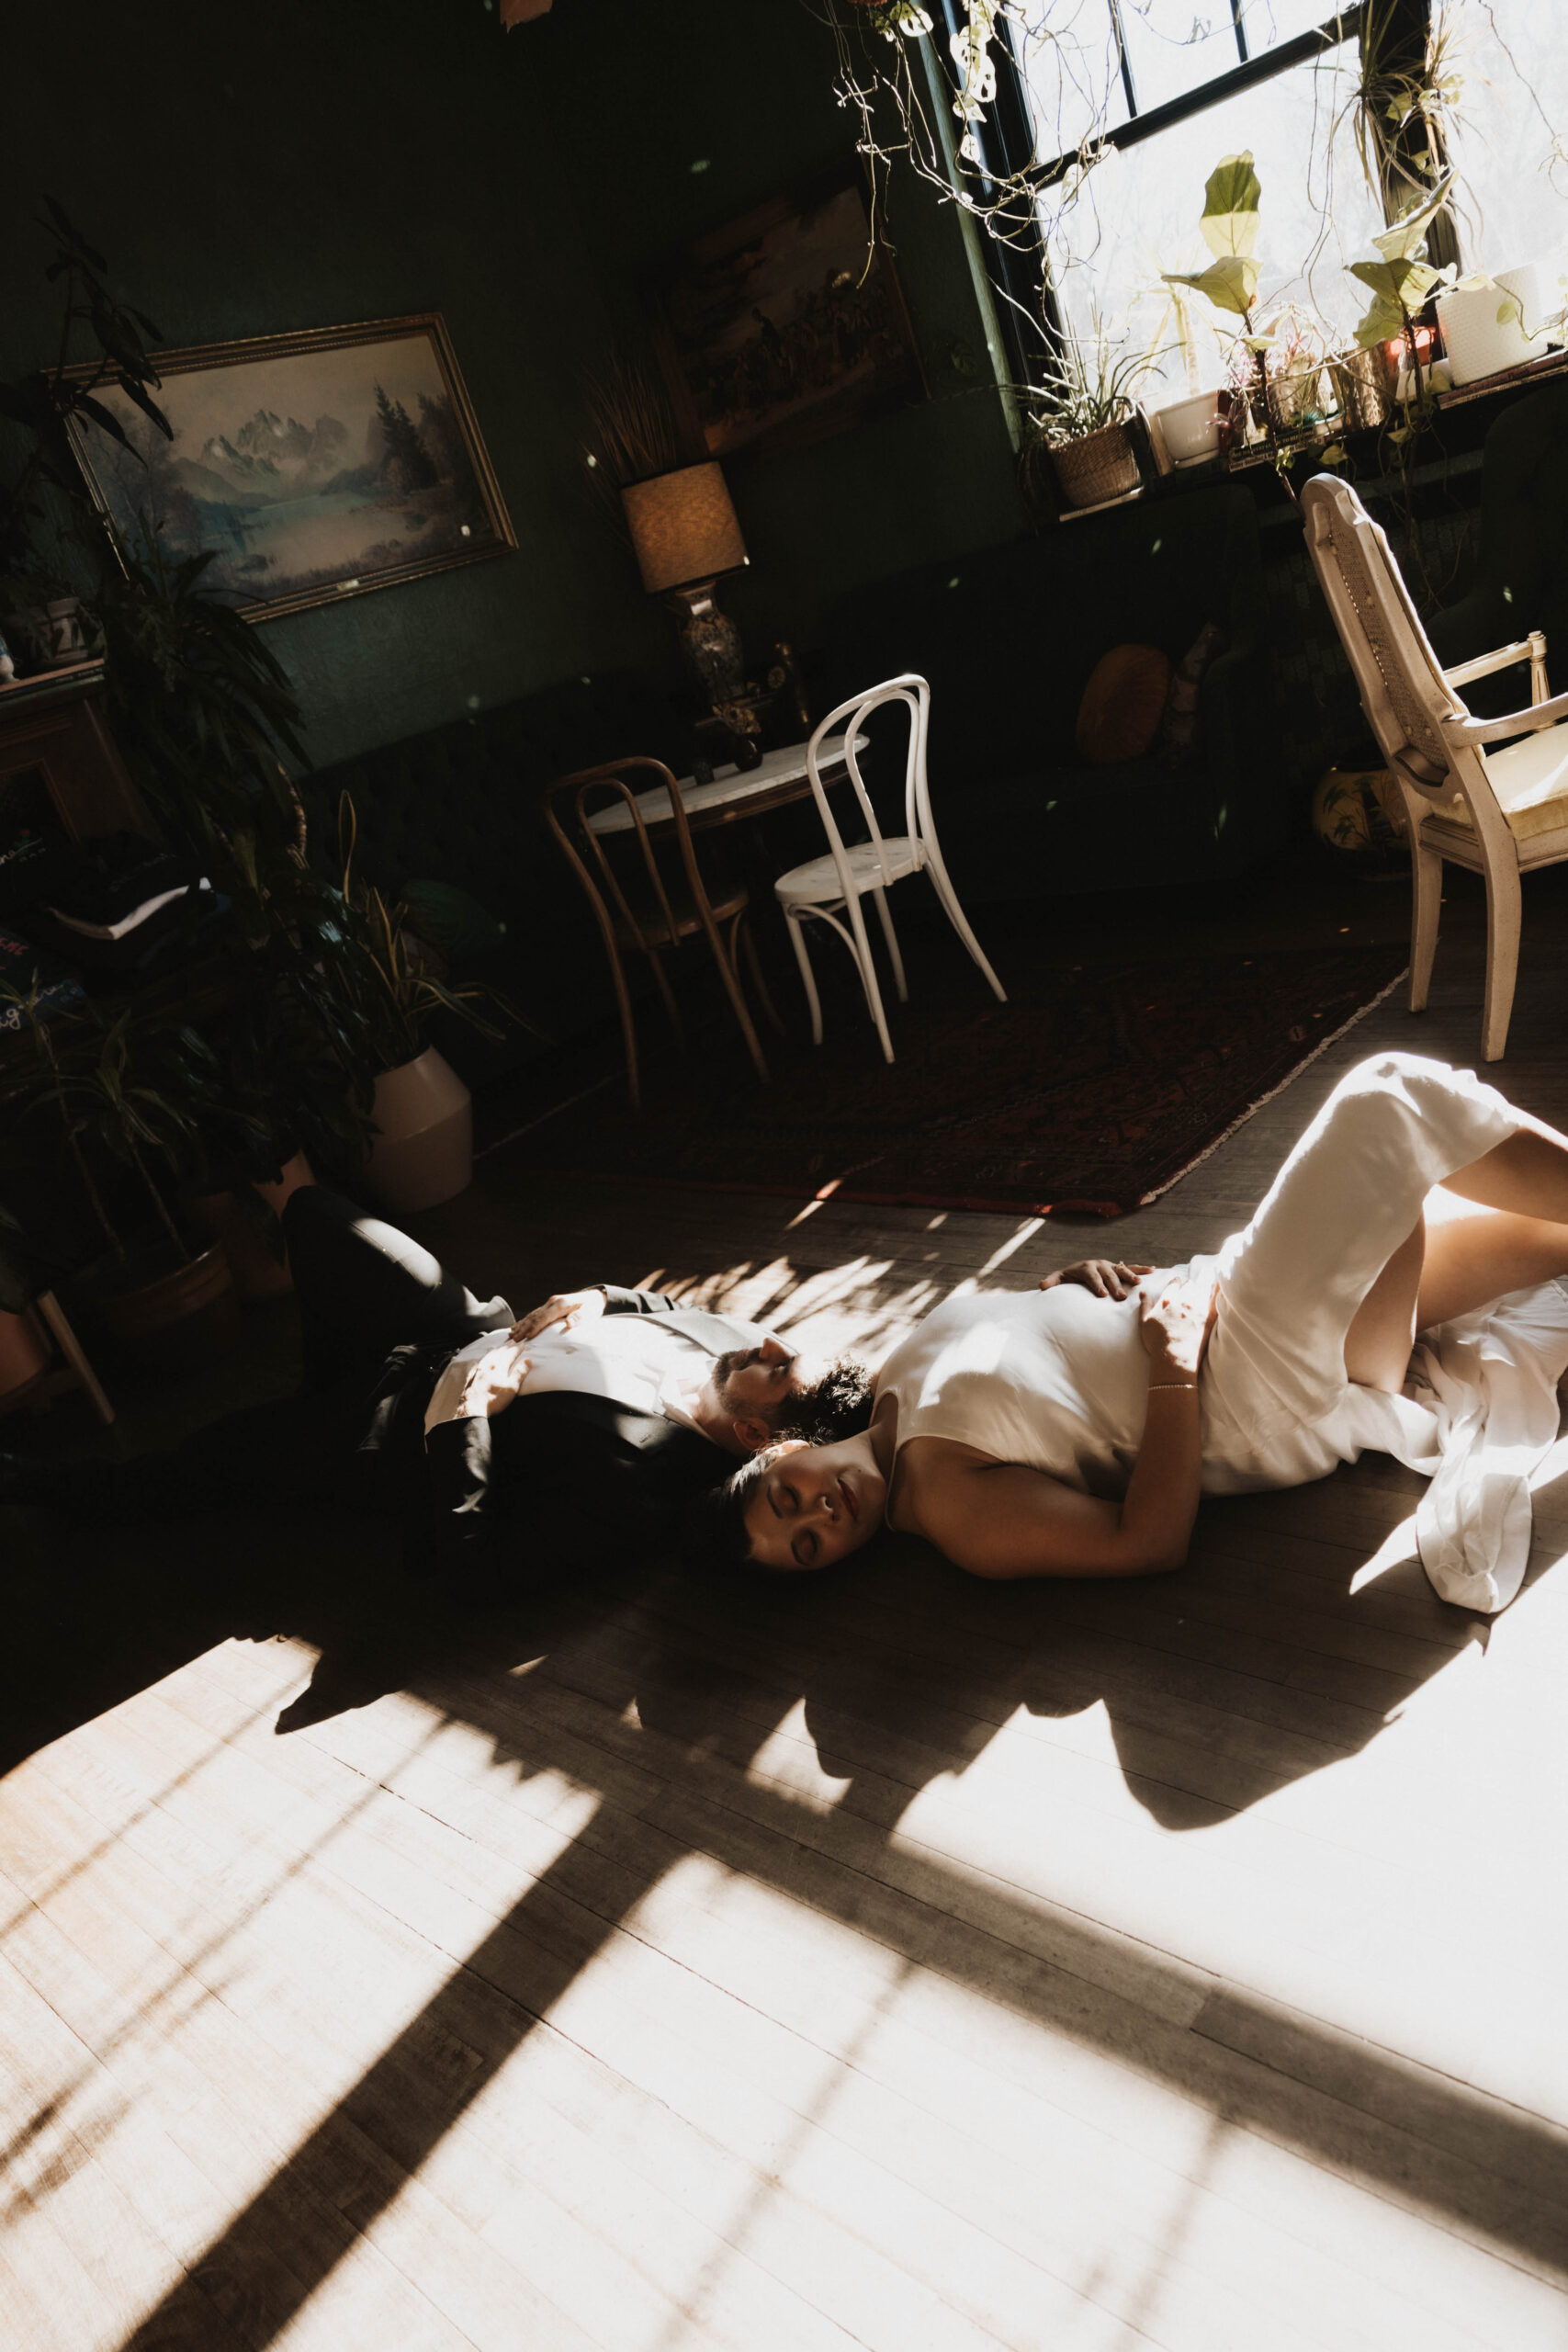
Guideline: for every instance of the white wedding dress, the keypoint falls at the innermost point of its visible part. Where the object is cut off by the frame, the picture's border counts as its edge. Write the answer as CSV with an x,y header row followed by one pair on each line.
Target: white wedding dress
x,y
1058,1379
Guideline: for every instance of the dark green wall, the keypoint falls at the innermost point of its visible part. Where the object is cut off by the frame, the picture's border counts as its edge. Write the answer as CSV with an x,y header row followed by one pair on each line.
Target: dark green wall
x,y
253,169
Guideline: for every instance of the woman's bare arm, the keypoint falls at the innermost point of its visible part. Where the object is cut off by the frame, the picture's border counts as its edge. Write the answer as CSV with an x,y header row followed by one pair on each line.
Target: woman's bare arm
x,y
1001,1518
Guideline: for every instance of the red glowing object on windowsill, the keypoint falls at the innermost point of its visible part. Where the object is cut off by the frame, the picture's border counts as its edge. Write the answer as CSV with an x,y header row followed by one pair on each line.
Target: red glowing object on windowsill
x,y
1426,347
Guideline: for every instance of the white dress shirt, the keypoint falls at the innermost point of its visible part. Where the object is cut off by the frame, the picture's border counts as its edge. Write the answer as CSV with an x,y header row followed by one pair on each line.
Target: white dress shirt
x,y
643,1361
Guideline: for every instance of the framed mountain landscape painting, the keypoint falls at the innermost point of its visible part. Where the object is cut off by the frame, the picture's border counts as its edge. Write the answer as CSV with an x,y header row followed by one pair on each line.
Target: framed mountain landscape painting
x,y
312,466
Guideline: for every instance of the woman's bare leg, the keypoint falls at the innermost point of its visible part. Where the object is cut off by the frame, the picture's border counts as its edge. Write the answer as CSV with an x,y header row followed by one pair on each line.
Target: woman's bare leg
x,y
1475,1254
1378,1344
1527,1175
1461,1254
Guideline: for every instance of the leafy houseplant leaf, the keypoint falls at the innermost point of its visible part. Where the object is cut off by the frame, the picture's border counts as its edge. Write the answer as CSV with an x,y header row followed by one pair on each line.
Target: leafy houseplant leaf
x,y
135,391
1406,240
105,419
1398,289
1230,284
1406,281
1229,221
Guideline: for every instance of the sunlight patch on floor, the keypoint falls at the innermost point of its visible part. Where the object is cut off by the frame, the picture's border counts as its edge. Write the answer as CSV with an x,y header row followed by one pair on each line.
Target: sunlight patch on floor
x,y
814,2061
1396,1547
788,1758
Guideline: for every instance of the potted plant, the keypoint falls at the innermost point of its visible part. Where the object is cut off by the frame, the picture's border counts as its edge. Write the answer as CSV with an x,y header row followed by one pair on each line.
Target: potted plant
x,y
24,1351
389,986
282,1080
45,499
121,1099
244,1159
1079,410
1228,225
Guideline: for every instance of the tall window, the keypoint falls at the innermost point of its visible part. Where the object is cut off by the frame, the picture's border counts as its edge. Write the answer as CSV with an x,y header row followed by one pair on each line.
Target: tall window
x,y
1510,142
1157,94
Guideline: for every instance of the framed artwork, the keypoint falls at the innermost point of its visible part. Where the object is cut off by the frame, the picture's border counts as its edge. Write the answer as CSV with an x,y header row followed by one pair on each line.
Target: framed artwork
x,y
786,326
315,465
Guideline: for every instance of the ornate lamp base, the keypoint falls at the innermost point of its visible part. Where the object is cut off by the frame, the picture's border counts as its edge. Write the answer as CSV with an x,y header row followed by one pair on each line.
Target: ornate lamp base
x,y
712,644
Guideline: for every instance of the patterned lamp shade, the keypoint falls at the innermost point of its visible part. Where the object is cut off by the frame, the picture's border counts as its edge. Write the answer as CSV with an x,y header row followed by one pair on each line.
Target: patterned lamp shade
x,y
684,528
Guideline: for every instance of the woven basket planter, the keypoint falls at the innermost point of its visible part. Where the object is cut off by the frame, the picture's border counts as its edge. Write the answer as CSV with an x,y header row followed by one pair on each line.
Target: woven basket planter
x,y
1098,467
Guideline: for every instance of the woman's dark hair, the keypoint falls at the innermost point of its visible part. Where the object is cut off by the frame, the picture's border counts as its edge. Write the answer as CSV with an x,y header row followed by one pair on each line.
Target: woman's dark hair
x,y
715,1539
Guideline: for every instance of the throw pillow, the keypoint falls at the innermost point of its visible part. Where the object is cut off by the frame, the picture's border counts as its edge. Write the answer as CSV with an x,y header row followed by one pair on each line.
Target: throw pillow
x,y
1122,705
1179,724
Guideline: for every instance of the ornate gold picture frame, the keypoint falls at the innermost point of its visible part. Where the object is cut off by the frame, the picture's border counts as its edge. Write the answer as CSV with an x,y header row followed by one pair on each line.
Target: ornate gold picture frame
x,y
314,466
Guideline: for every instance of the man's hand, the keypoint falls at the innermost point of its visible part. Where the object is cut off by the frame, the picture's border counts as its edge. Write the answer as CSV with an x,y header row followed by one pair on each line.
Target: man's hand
x,y
570,1310
492,1384
1107,1277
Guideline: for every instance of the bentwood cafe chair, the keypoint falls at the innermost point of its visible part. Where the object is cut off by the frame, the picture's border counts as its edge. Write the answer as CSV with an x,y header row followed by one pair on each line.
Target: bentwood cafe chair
x,y
1491,794
829,890
647,892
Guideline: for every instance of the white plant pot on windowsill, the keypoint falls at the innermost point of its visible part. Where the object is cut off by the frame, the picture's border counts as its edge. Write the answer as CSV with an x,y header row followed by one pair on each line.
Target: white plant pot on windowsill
x,y
1191,427
423,1149
1489,328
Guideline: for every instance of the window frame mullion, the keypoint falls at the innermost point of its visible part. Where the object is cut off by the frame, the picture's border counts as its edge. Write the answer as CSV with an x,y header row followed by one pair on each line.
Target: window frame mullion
x,y
1129,87
1301,47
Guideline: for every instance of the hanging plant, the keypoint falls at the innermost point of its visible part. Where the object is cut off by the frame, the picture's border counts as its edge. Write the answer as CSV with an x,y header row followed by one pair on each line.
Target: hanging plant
x,y
931,119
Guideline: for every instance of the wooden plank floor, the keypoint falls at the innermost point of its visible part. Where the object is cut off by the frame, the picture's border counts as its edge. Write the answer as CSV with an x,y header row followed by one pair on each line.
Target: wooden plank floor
x,y
900,1963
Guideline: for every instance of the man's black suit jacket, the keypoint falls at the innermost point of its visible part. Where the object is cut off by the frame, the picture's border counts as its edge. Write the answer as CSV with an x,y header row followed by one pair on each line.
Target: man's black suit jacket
x,y
560,1479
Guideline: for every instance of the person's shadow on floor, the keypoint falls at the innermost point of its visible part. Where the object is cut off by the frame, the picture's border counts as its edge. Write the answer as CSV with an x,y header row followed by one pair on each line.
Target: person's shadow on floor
x,y
899,1670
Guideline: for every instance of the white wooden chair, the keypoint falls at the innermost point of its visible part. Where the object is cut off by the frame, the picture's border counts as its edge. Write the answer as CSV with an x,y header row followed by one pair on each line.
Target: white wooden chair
x,y
829,887
1501,812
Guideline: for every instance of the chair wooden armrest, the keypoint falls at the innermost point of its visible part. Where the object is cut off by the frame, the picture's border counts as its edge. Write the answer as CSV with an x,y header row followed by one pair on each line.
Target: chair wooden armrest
x,y
1457,730
1525,649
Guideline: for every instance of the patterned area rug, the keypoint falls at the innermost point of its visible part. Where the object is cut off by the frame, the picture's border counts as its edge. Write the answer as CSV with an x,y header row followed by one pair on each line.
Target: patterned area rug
x,y
1091,1091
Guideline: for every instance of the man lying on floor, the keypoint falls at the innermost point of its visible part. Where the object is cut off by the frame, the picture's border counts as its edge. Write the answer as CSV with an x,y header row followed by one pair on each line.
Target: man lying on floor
x,y
506,1446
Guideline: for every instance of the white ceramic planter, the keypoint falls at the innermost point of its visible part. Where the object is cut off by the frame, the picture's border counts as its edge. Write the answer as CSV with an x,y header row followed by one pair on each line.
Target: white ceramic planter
x,y
1479,343
1191,427
423,1151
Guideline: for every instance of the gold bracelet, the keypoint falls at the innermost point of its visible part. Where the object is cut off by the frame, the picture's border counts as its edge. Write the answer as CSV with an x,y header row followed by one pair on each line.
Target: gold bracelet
x,y
1172,1384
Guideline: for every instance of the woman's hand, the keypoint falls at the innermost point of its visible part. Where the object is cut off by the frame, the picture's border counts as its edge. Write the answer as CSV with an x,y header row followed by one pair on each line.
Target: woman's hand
x,y
1174,1323
571,1309
1107,1277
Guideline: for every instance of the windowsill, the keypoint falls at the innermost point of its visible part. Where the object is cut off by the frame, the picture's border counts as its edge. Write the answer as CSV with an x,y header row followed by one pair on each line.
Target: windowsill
x,y
1513,379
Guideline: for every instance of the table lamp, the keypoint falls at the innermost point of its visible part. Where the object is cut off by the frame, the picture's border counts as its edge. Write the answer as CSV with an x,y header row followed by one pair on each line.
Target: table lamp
x,y
685,534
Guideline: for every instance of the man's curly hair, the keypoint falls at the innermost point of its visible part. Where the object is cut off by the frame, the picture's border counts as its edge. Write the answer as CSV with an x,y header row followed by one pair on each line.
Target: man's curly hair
x,y
835,1405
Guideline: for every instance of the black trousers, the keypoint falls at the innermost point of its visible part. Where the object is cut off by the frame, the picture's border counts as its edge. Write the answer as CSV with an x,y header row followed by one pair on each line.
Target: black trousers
x,y
364,1288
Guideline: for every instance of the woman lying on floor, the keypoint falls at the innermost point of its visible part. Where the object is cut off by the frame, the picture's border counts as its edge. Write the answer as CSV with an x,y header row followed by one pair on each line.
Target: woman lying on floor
x,y
1073,1433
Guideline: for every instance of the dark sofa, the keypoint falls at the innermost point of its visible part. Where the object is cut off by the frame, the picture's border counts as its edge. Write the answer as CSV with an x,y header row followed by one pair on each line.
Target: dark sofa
x,y
1521,572
460,804
1007,638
